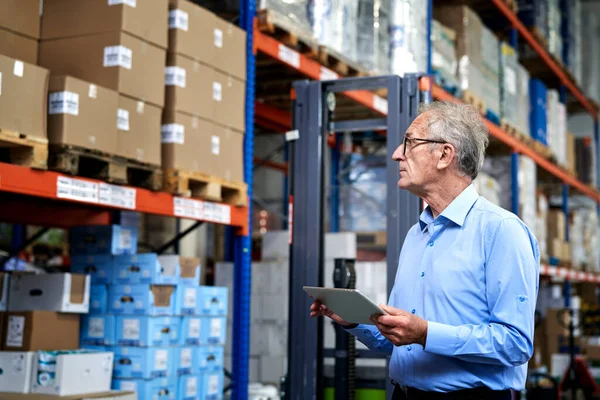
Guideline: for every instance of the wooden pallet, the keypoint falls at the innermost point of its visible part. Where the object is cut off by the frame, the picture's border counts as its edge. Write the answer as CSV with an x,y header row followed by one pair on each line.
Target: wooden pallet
x,y
339,63
539,37
475,101
204,186
274,24
20,149
516,133
79,161
512,4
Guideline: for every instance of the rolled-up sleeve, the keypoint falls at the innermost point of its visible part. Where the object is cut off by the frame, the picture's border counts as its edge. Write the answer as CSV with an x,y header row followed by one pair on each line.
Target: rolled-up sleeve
x,y
512,277
370,336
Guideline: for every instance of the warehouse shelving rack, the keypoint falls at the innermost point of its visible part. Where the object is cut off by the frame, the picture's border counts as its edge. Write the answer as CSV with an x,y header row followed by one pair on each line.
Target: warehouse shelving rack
x,y
276,119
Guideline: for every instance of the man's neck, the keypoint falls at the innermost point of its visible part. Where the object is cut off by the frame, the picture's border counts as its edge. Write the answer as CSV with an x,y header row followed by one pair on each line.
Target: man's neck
x,y
440,195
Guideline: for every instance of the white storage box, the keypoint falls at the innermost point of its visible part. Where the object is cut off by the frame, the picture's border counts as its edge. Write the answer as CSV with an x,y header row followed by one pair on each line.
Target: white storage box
x,y
74,373
16,369
67,293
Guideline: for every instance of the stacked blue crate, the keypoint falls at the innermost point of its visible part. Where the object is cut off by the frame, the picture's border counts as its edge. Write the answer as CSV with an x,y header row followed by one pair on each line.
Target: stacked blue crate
x,y
537,114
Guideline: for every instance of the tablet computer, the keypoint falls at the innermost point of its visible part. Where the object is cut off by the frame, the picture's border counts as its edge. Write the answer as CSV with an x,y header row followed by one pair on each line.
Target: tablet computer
x,y
350,304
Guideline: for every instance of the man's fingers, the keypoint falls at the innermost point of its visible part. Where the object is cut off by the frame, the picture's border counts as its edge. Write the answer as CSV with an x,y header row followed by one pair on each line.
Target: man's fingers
x,y
387,320
390,310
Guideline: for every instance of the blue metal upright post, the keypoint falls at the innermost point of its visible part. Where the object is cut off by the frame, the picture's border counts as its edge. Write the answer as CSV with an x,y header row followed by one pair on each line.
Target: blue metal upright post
x,y
565,207
514,179
514,39
242,280
285,203
334,200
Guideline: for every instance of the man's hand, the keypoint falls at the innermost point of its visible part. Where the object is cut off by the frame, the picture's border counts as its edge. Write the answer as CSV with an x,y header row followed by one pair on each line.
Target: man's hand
x,y
401,327
318,309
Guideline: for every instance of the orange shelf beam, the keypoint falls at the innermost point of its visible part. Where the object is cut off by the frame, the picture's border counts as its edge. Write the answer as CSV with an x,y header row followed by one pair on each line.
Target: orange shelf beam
x,y
541,51
43,185
283,167
440,94
272,118
568,274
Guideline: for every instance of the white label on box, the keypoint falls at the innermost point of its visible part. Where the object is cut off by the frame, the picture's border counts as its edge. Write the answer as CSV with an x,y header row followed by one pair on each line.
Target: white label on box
x,y
131,329
160,360
18,363
215,212
189,298
327,74
14,335
217,91
191,386
179,19
194,328
117,56
172,133
96,327
215,327
63,103
186,358
130,3
117,196
125,239
76,189
18,69
122,119
289,56
93,92
218,38
510,80
175,76
188,208
127,386
140,107
213,385
380,104
216,148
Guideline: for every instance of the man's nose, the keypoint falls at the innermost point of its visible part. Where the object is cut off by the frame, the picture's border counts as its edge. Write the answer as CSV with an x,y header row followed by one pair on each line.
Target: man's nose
x,y
398,153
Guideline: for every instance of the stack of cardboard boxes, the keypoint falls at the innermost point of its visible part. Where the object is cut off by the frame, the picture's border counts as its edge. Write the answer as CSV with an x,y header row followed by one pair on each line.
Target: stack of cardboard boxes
x,y
558,247
36,360
167,332
203,123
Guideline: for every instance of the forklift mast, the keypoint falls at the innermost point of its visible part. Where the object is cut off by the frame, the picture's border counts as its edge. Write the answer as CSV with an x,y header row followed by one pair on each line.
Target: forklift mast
x,y
313,120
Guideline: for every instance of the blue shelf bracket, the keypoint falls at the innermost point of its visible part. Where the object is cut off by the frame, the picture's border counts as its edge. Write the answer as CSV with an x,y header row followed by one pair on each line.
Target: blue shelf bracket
x,y
242,279
514,178
565,207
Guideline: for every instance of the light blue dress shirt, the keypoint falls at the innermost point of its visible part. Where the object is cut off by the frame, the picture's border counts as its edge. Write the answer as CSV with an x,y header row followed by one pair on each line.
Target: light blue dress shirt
x,y
473,274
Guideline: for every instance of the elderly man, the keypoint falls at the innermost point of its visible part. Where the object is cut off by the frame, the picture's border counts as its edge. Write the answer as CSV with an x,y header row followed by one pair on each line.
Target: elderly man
x,y
460,317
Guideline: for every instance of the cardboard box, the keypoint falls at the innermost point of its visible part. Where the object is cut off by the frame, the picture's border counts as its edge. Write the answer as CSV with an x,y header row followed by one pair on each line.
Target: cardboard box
x,y
191,331
82,114
147,331
188,300
21,16
28,331
213,300
555,248
4,289
18,46
16,369
229,95
141,299
189,87
99,267
142,362
98,330
186,360
75,374
148,389
212,385
213,331
144,268
139,131
198,145
61,292
230,49
98,299
23,97
556,224
103,240
188,267
144,19
115,60
191,31
189,387
211,358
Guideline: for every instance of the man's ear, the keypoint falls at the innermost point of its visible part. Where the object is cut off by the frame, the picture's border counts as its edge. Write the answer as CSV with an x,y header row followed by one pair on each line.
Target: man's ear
x,y
447,155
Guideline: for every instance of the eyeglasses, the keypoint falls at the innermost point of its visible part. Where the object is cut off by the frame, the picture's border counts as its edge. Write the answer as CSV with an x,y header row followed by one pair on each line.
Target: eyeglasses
x,y
413,141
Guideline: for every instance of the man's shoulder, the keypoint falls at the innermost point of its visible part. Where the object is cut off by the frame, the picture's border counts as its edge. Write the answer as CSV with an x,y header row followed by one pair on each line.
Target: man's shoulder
x,y
484,208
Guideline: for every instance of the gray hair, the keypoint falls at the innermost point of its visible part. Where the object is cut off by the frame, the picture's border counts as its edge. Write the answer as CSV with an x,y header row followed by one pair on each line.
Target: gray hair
x,y
462,126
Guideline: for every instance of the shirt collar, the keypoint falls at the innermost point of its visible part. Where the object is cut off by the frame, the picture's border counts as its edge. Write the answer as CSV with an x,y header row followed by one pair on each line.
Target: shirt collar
x,y
456,211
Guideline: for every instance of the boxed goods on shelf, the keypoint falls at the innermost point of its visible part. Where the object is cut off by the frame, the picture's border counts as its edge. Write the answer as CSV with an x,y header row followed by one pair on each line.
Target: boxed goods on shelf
x,y
210,358
541,231
142,362
443,54
190,332
67,293
590,60
583,236
212,382
509,85
97,240
534,14
148,388
334,26
186,360
28,331
188,300
16,367
23,104
213,300
141,299
98,299
571,36
556,126
490,69
138,126
555,44
98,267
4,288
20,29
147,331
82,114
408,36
585,160
538,112
373,40
188,268
188,387
98,330
570,152
527,178
523,103
144,268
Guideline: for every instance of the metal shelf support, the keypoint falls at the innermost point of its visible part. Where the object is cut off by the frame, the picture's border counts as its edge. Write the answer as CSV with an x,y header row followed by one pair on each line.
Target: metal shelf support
x,y
514,178
334,200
